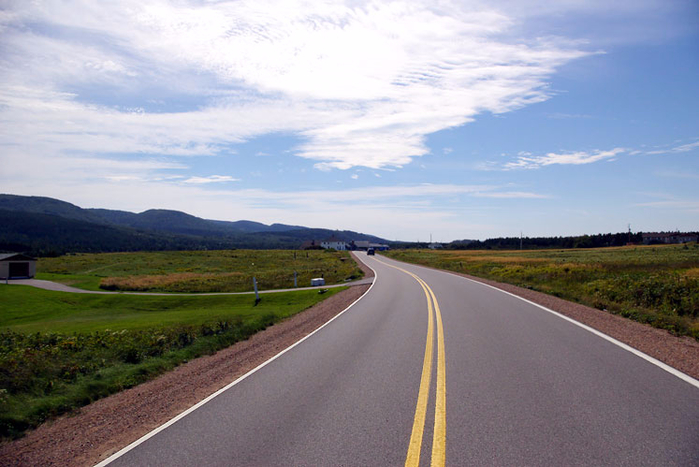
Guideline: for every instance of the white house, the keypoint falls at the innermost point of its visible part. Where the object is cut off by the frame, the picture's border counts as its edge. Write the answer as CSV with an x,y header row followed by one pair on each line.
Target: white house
x,y
335,244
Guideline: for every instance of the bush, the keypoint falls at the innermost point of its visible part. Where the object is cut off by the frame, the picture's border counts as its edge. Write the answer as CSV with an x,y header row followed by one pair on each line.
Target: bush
x,y
43,375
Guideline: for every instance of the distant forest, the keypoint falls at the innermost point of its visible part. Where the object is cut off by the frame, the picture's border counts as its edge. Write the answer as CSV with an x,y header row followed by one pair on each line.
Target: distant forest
x,y
531,243
582,241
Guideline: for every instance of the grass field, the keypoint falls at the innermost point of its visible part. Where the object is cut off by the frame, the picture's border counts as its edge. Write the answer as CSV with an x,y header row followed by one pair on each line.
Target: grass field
x,y
657,285
198,271
59,351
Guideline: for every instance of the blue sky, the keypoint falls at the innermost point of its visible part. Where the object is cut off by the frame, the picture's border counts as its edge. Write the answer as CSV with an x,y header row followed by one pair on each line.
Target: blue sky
x,y
466,119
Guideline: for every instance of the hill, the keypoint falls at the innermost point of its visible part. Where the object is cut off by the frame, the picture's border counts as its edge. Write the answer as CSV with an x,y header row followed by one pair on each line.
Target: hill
x,y
47,226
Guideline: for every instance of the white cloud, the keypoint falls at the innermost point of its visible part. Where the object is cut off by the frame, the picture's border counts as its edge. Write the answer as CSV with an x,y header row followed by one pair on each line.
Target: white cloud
x,y
362,83
676,149
512,195
528,161
211,179
683,205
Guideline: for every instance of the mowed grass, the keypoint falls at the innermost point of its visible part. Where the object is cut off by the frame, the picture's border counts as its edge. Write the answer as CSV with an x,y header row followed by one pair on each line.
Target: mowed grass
x,y
198,271
28,310
60,351
657,285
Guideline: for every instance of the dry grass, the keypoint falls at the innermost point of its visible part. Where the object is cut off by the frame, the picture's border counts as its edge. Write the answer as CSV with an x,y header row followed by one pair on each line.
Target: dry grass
x,y
199,271
174,281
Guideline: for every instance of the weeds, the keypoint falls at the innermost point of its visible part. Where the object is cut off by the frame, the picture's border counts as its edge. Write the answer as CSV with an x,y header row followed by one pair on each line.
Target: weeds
x,y
43,375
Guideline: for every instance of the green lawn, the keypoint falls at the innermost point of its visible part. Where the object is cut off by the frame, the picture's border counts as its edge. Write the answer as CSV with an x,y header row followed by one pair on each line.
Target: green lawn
x,y
658,285
198,271
59,351
26,309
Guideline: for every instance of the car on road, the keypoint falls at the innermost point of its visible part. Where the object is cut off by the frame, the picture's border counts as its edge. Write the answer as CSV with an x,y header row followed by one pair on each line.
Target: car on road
x,y
371,252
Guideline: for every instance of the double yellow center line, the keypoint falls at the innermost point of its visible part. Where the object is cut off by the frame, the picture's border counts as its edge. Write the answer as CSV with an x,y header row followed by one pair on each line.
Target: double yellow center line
x,y
439,437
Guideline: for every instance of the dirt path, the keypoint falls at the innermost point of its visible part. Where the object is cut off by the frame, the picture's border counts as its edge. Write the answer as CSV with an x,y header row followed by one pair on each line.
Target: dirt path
x,y
58,287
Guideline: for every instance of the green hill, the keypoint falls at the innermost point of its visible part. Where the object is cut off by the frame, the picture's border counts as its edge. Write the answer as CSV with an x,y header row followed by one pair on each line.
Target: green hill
x,y
46,226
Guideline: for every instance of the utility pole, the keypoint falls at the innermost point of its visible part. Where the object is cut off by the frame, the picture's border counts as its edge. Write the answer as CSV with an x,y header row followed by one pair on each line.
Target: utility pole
x,y
520,239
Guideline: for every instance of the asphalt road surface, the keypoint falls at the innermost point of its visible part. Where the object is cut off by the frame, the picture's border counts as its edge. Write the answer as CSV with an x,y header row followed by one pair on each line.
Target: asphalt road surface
x,y
431,368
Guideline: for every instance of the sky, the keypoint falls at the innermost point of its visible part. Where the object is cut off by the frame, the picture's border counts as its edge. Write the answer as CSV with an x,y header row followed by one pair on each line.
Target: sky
x,y
407,120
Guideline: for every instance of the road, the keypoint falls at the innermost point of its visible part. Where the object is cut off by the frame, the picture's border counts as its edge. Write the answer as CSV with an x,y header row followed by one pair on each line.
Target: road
x,y
431,368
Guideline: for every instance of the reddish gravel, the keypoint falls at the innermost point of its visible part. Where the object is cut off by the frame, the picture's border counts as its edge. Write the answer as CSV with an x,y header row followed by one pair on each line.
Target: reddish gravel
x,y
104,427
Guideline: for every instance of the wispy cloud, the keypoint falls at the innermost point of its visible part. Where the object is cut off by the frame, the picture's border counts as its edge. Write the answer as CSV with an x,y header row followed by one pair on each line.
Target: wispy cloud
x,y
511,195
683,205
211,179
528,161
362,83
676,149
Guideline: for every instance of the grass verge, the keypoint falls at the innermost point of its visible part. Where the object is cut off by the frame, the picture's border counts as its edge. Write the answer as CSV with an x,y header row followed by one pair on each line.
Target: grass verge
x,y
60,351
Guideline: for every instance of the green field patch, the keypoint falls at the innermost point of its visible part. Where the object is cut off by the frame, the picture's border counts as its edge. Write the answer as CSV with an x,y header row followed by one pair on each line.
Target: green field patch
x,y
79,281
657,285
59,351
198,271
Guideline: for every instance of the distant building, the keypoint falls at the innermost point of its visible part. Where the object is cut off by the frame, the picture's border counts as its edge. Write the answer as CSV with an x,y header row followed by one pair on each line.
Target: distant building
x,y
668,237
435,246
360,245
364,245
335,244
17,266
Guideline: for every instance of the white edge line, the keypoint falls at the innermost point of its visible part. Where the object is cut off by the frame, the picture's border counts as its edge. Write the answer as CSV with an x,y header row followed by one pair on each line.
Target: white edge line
x,y
174,420
674,371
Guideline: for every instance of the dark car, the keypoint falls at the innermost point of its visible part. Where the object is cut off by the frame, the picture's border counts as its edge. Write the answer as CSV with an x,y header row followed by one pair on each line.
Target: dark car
x,y
371,252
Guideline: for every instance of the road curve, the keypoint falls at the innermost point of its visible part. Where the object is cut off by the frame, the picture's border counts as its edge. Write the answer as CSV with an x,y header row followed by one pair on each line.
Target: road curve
x,y
521,386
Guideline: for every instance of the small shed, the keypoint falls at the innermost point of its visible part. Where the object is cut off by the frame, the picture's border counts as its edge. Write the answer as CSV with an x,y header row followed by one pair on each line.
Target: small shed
x,y
17,266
